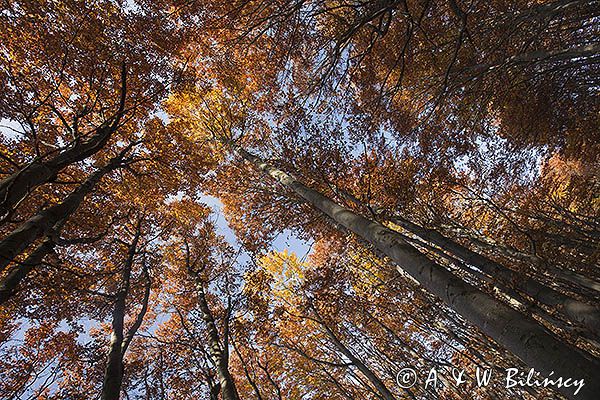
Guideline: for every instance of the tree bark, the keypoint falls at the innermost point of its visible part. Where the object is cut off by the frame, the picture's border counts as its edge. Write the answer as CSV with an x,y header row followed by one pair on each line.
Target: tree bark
x,y
524,337
16,187
9,285
219,355
113,373
581,313
568,276
383,391
41,224
246,371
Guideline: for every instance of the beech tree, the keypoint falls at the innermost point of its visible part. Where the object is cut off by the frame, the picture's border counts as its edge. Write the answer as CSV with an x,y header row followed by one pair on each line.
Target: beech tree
x,y
437,158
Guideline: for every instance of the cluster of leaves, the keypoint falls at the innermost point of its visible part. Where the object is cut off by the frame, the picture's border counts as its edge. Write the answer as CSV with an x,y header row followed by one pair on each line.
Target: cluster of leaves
x,y
467,127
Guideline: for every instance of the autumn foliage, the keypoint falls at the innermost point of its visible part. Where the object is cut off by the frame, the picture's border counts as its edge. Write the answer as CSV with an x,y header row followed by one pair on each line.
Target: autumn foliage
x,y
433,166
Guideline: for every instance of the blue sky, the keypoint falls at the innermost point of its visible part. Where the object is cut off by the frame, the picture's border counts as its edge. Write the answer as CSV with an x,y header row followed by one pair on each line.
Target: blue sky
x,y
286,240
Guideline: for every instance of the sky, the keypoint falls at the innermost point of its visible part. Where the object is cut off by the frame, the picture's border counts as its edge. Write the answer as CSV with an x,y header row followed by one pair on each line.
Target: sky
x,y
286,240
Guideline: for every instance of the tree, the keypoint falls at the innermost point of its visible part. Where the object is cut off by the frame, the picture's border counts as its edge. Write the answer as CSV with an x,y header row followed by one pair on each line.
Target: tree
x,y
438,158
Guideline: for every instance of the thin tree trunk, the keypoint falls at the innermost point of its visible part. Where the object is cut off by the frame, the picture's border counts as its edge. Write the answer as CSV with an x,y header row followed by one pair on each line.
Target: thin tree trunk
x,y
587,50
246,371
342,390
113,373
16,187
524,337
568,276
580,312
265,369
384,392
217,352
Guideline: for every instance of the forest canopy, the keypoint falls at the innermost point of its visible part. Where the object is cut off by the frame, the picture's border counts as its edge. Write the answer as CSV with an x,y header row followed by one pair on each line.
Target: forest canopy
x,y
299,199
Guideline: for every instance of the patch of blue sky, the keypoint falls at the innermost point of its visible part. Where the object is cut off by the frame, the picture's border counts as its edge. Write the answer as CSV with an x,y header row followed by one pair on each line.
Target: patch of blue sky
x,y
285,240
162,115
10,130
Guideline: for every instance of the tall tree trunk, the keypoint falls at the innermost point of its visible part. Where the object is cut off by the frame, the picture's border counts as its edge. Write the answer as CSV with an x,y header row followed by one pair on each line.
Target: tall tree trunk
x,y
524,337
113,373
41,224
16,187
383,391
9,285
568,276
246,371
538,56
265,369
218,352
581,313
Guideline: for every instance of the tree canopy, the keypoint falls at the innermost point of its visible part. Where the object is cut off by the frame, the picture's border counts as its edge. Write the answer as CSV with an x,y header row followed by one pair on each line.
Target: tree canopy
x,y
434,165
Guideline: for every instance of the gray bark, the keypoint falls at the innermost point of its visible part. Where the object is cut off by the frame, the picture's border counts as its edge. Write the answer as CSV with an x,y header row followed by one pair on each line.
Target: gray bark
x,y
217,352
383,391
528,340
565,275
581,313
113,373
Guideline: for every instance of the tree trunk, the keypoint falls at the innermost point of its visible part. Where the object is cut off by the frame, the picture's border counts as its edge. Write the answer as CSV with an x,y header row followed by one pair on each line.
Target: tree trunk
x,y
383,391
217,352
41,224
524,337
246,371
113,373
9,285
584,314
568,276
16,187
